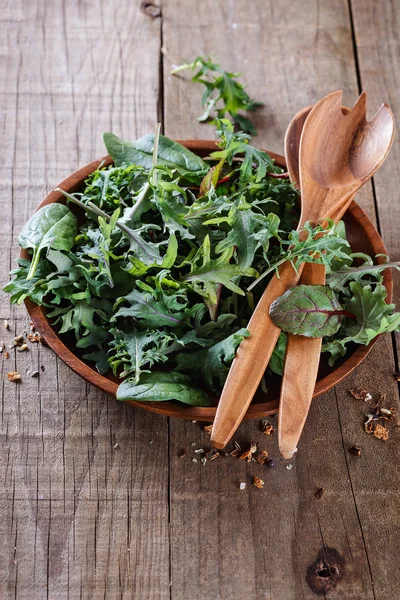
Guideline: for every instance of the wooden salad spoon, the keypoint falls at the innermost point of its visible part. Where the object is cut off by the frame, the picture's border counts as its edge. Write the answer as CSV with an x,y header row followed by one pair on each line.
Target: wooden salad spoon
x,y
337,154
297,387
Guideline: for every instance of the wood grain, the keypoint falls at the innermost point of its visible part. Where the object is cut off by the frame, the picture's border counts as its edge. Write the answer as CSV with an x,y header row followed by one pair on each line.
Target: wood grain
x,y
84,481
253,543
82,519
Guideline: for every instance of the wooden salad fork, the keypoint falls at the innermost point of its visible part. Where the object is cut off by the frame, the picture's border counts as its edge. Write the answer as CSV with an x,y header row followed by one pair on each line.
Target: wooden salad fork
x,y
338,153
298,386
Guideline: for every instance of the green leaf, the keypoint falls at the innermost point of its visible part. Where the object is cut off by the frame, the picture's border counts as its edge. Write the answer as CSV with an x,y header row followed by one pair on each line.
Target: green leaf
x,y
140,152
35,289
223,93
309,310
338,280
160,387
206,274
211,365
249,232
277,360
373,316
138,349
100,357
211,178
53,227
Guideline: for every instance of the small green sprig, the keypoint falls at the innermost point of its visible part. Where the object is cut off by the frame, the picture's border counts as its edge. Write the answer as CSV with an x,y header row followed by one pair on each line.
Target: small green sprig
x,y
223,94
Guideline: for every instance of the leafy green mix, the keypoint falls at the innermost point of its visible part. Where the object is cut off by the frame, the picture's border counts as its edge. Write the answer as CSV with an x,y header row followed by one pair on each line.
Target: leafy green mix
x,y
163,269
222,94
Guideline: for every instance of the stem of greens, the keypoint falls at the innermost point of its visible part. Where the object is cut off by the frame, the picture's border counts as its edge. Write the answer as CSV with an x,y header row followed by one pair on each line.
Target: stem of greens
x,y
181,68
155,152
94,210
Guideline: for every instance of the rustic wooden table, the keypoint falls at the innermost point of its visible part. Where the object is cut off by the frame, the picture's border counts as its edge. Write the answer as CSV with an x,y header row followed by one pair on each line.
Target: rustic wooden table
x,y
94,501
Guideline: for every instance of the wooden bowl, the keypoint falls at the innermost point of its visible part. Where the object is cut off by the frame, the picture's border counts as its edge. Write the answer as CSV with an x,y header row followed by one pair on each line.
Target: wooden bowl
x,y
362,236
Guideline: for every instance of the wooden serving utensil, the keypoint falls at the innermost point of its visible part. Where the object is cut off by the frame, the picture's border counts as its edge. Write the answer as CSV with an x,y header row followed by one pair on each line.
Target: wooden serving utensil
x,y
302,353
298,386
337,154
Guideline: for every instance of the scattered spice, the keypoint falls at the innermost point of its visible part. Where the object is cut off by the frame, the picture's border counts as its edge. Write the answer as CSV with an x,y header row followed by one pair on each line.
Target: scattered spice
x,y
116,445
35,338
355,450
19,340
33,373
13,376
289,467
203,460
266,427
234,453
193,444
319,493
360,394
373,420
208,428
242,485
194,460
199,451
258,482
237,446
381,432
6,324
6,354
212,455
248,454
22,348
32,326
262,457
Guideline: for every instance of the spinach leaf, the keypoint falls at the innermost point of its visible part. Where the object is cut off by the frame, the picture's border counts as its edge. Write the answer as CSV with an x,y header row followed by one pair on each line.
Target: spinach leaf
x,y
211,365
35,288
52,226
140,152
309,310
160,387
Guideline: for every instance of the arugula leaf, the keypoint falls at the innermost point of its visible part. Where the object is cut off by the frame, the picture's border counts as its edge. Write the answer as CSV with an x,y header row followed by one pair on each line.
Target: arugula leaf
x,y
137,349
339,279
78,318
160,387
249,232
140,153
222,92
306,246
309,310
52,226
206,274
238,143
158,307
373,316
211,365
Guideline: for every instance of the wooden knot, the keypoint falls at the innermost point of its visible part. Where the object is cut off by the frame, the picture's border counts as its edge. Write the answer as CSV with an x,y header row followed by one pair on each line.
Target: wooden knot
x,y
326,571
151,10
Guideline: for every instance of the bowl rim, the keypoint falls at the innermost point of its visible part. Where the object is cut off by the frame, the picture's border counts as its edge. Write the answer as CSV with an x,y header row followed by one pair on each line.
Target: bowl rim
x,y
168,408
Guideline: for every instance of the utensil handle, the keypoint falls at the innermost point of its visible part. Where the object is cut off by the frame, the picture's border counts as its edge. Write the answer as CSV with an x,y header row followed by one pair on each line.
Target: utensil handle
x,y
299,376
251,359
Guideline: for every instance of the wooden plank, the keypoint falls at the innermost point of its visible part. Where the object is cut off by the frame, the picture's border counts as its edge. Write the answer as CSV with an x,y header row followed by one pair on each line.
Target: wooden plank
x,y
84,492
379,72
260,544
